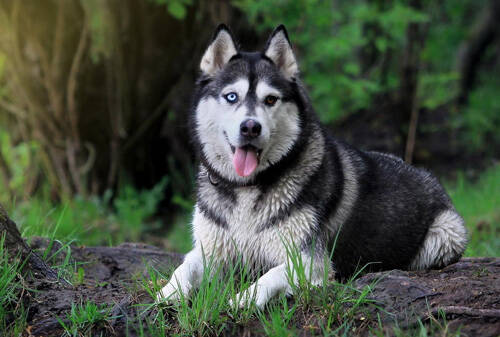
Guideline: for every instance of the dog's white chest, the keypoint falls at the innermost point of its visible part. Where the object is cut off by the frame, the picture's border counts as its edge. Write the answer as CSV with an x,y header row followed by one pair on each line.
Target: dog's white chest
x,y
244,236
254,231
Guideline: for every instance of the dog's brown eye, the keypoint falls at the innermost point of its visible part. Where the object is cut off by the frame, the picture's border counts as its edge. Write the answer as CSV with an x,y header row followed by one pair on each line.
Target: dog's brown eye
x,y
270,100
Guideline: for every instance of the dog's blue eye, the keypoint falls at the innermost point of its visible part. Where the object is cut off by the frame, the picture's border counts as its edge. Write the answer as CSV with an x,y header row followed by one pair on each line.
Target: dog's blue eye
x,y
232,97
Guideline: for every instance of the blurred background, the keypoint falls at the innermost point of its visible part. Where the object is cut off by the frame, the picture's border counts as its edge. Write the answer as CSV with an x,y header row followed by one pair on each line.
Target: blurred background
x,y
94,102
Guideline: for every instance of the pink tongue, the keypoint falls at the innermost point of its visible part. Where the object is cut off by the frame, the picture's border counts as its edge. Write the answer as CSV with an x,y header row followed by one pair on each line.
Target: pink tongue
x,y
244,161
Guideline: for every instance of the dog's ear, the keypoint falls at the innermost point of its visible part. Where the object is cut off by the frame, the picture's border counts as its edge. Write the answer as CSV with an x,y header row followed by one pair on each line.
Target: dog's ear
x,y
279,50
219,52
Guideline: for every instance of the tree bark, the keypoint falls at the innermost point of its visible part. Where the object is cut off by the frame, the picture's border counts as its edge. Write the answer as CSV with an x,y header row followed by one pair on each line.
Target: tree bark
x,y
16,246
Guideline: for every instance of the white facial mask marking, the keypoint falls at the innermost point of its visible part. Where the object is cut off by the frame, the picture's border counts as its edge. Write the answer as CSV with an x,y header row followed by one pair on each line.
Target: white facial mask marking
x,y
263,90
280,127
240,87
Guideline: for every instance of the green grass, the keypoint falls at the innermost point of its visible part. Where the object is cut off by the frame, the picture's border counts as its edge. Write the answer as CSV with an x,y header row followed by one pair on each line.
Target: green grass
x,y
434,326
85,319
479,203
91,221
208,312
11,289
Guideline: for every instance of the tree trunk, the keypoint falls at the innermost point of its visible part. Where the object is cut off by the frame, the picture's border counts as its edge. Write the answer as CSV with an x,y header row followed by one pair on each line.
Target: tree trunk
x,y
472,51
409,81
17,247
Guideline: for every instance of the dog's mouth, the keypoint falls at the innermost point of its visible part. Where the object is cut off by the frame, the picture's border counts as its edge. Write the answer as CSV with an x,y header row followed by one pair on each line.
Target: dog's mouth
x,y
246,158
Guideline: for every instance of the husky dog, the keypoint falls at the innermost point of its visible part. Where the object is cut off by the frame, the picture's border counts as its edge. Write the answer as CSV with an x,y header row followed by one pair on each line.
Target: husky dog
x,y
270,173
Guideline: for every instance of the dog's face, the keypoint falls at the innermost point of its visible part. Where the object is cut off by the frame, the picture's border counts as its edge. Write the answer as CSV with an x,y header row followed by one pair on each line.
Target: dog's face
x,y
247,114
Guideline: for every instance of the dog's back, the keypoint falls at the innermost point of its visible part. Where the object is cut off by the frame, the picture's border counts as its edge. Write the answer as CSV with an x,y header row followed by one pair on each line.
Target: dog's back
x,y
401,218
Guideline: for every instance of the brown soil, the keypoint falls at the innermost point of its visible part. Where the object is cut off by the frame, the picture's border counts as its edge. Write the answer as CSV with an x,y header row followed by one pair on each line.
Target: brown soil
x,y
468,292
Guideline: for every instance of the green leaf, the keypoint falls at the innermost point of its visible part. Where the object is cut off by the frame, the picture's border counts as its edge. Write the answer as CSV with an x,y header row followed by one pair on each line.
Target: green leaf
x,y
177,10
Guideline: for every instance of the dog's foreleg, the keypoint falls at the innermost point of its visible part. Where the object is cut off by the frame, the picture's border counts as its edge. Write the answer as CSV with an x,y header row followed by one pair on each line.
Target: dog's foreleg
x,y
266,287
186,277
279,279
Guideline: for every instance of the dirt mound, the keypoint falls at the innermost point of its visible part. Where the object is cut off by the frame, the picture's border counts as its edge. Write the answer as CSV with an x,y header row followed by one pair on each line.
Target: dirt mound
x,y
109,278
466,294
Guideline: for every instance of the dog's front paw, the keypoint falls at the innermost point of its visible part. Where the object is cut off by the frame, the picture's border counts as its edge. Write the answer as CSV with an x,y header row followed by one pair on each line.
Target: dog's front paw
x,y
257,294
169,294
243,299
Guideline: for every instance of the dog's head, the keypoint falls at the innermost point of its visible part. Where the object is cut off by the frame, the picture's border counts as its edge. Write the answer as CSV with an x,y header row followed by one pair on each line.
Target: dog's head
x,y
248,106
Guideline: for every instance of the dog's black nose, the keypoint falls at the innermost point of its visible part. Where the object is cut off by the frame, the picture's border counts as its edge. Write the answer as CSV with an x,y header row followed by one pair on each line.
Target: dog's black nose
x,y
250,128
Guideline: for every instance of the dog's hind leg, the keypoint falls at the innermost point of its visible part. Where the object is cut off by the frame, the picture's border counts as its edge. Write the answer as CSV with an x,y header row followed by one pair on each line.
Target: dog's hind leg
x,y
444,244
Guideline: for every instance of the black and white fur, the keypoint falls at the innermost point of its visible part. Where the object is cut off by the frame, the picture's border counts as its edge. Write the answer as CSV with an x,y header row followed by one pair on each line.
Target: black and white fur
x,y
308,187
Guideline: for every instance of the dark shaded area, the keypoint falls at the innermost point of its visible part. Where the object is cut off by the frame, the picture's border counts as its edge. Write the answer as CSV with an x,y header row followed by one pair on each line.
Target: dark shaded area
x,y
468,292
438,147
116,114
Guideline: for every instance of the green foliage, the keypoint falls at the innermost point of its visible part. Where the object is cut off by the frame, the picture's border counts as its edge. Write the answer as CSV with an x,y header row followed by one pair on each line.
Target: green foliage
x,y
451,22
203,313
436,89
480,120
91,220
331,51
19,169
100,28
179,237
134,207
351,51
176,8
